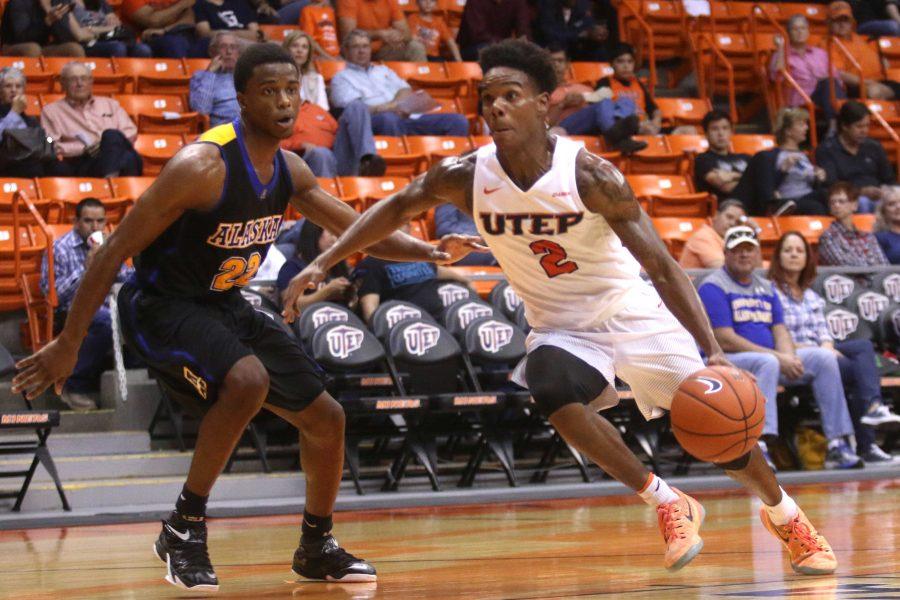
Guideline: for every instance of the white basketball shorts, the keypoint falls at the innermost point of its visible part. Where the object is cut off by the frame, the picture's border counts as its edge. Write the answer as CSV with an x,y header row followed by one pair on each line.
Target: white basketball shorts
x,y
644,344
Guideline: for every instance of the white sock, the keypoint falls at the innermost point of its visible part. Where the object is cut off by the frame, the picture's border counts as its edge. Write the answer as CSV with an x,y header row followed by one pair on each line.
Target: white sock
x,y
656,492
783,512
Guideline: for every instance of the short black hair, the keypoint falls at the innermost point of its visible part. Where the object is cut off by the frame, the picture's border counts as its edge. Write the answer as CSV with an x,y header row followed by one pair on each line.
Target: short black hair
x,y
715,115
554,47
258,54
851,112
524,56
89,202
621,50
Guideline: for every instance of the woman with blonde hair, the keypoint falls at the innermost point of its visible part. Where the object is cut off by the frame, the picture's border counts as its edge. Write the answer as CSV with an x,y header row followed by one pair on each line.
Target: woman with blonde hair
x,y
312,85
887,223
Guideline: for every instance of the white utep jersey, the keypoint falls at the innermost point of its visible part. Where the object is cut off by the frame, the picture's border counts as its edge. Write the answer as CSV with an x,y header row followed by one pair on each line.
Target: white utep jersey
x,y
569,267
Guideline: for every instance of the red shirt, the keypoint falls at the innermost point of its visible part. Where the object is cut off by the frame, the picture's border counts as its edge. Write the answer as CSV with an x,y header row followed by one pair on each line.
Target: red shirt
x,y
319,23
314,125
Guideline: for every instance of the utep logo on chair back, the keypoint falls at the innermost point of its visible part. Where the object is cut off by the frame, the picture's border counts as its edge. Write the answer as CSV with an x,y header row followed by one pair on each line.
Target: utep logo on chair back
x,y
401,313
841,323
871,305
344,340
328,314
838,288
471,311
511,298
451,292
420,338
494,335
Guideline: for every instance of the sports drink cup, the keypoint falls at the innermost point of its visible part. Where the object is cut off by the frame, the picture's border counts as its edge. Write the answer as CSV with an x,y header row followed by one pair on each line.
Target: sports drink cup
x,y
96,238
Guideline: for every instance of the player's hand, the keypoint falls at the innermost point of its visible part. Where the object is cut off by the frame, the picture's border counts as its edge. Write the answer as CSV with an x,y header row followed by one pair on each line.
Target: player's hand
x,y
51,365
455,247
718,359
308,278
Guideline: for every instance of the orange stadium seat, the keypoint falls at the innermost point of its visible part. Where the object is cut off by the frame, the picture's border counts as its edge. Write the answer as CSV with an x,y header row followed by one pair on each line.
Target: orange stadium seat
x,y
11,185
670,196
810,227
30,249
768,235
277,33
480,140
162,113
329,68
437,147
400,161
683,111
470,72
430,76
589,73
73,189
675,231
155,75
37,80
657,157
106,80
192,65
370,189
665,20
453,10
864,222
751,144
130,187
33,105
156,149
329,184
418,229
890,50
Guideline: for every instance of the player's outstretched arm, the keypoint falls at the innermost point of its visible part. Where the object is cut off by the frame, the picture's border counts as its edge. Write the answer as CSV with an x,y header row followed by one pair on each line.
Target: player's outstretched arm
x,y
158,207
604,190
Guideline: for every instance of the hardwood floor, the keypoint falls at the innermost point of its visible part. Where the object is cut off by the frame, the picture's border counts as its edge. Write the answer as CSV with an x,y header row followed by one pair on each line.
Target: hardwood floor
x,y
604,547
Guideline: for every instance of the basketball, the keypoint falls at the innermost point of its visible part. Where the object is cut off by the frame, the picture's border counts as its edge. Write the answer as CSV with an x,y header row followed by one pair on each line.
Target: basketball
x,y
718,413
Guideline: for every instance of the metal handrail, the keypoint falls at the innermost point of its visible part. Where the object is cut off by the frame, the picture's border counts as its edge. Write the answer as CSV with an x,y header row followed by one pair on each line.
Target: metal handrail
x,y
648,32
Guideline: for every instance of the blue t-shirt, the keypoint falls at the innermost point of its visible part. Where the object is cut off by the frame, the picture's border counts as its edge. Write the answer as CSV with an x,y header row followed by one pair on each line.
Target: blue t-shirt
x,y
751,310
890,243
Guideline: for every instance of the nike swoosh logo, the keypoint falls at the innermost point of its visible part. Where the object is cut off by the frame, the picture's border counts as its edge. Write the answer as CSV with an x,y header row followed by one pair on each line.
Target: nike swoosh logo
x,y
690,514
181,536
488,192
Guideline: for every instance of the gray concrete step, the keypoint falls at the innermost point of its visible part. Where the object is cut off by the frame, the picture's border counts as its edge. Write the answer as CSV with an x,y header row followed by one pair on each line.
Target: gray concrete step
x,y
83,468
89,444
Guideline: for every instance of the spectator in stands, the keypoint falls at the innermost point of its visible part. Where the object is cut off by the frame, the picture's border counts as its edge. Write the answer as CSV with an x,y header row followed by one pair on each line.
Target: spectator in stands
x,y
808,65
94,25
26,30
337,286
853,156
432,32
748,322
416,282
212,90
866,55
887,224
93,133
792,271
877,17
629,96
235,16
718,170
782,179
570,24
72,253
12,117
842,244
167,26
318,20
575,109
385,95
705,249
342,147
388,31
488,21
449,219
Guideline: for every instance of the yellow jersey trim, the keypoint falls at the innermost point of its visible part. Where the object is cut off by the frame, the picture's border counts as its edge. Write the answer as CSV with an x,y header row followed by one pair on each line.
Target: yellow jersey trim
x,y
220,135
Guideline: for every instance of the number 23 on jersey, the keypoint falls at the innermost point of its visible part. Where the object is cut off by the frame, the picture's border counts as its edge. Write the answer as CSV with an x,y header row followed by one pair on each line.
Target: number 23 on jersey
x,y
236,271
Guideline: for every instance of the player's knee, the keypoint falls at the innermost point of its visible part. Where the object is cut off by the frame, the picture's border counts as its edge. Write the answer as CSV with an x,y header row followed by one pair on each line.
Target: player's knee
x,y
247,383
556,379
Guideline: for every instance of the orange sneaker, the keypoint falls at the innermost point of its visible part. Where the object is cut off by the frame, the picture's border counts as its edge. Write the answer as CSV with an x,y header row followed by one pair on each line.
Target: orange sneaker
x,y
679,523
810,552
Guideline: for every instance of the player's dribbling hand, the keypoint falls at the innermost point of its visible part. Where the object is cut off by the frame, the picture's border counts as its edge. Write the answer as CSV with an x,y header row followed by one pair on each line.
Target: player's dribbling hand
x,y
308,278
718,359
51,365
454,247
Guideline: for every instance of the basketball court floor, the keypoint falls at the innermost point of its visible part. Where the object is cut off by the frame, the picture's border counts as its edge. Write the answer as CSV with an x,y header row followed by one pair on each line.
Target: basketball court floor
x,y
585,548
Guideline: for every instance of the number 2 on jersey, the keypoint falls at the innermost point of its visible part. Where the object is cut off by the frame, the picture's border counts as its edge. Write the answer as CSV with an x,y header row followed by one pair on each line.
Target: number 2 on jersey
x,y
236,271
555,261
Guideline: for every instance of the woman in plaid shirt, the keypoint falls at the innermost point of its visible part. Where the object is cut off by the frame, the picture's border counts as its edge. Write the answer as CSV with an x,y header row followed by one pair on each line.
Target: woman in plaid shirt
x,y
842,244
793,271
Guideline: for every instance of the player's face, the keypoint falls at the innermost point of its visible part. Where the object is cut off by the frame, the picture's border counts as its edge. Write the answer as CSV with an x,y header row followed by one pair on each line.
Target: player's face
x,y
513,107
742,259
623,67
93,218
719,135
271,99
793,254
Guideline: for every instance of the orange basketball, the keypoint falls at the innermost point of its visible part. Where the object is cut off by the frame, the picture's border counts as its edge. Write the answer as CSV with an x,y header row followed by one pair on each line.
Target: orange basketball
x,y
718,413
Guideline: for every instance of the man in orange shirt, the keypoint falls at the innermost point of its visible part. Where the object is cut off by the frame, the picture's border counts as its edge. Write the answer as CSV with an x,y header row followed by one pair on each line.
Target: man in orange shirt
x,y
167,26
318,20
705,249
385,24
866,55
432,32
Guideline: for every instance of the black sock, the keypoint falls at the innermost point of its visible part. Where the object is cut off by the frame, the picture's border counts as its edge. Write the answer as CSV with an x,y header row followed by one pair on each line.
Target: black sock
x,y
314,528
190,506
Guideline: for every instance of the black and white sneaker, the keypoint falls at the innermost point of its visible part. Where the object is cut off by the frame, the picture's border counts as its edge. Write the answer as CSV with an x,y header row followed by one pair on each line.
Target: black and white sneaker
x,y
879,415
325,560
182,546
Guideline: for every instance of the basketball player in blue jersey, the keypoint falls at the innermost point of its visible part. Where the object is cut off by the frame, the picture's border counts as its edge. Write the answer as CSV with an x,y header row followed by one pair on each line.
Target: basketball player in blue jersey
x,y
571,239
199,234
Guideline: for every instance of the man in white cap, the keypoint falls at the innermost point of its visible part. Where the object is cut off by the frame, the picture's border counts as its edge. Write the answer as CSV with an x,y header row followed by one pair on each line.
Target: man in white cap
x,y
748,322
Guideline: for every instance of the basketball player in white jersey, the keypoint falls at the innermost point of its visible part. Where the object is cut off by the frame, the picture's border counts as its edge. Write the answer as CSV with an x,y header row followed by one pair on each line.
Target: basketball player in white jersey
x,y
571,239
